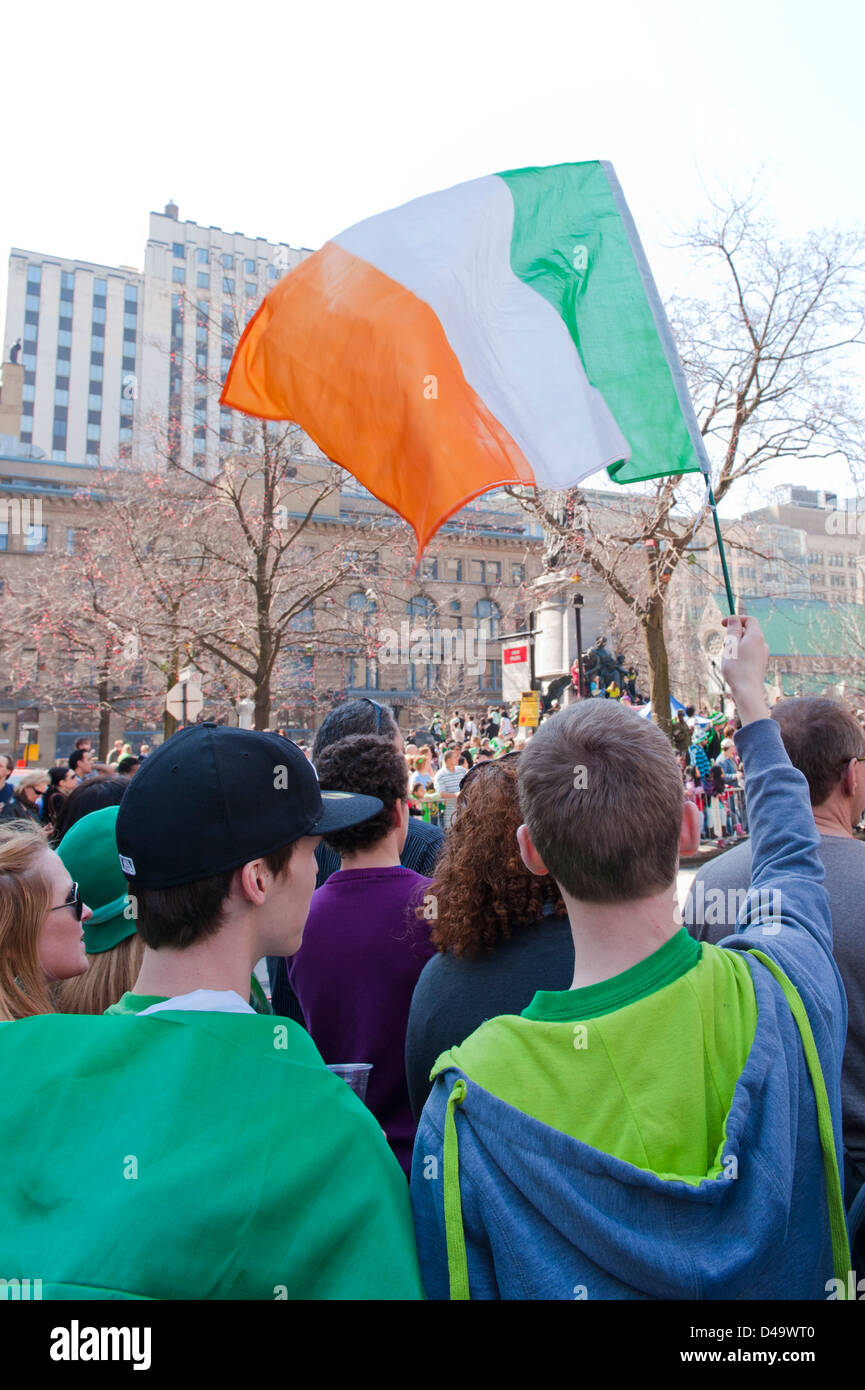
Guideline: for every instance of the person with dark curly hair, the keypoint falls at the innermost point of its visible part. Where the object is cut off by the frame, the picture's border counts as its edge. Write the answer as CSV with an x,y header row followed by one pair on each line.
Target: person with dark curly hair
x,y
366,939
500,933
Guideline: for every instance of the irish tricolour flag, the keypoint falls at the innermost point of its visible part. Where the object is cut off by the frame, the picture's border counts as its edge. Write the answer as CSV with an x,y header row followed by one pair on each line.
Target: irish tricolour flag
x,y
507,330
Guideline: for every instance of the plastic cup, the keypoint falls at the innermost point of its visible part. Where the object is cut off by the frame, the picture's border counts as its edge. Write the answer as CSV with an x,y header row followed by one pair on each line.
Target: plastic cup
x,y
355,1075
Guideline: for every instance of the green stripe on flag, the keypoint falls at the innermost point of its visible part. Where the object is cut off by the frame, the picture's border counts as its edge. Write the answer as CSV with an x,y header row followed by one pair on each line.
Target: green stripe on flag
x,y
571,244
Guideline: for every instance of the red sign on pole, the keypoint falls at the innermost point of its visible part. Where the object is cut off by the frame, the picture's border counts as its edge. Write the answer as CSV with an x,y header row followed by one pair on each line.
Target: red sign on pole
x,y
512,655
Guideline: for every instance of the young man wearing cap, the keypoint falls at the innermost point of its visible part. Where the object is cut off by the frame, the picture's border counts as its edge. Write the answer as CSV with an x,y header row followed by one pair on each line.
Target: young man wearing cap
x,y
197,1149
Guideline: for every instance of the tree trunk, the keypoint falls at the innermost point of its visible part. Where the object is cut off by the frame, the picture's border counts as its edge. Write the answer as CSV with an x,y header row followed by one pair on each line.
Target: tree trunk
x,y
104,718
169,723
261,718
659,672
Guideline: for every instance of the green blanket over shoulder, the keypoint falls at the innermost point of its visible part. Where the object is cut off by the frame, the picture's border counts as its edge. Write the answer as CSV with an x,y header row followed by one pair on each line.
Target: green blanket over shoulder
x,y
193,1155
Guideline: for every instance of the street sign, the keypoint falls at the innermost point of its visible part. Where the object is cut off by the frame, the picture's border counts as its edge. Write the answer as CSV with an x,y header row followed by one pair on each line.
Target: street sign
x,y
530,709
184,701
516,670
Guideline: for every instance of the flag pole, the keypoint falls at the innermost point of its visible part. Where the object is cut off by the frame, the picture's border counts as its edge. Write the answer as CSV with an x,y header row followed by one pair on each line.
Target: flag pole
x,y
714,510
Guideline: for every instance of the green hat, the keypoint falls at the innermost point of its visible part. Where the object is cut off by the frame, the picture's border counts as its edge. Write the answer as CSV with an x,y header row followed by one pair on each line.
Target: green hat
x,y
717,718
89,852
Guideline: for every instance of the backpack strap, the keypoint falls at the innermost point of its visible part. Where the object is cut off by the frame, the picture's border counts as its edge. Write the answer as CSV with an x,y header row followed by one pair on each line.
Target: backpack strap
x,y
458,1269
837,1221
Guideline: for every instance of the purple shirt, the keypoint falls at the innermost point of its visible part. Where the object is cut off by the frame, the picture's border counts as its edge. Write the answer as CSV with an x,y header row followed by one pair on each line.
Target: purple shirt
x,y
362,952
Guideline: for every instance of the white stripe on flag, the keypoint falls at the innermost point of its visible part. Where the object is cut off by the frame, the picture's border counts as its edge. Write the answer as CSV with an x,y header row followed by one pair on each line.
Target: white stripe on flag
x,y
452,249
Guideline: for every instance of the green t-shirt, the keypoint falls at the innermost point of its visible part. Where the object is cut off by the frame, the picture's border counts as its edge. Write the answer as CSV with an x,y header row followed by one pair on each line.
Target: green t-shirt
x,y
642,1066
130,1003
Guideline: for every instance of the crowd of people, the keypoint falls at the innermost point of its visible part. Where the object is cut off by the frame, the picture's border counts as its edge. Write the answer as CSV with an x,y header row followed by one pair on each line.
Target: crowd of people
x,y
569,1091
40,795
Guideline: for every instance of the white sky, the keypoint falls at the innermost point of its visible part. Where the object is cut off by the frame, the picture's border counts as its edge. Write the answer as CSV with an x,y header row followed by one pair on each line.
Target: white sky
x,y
293,122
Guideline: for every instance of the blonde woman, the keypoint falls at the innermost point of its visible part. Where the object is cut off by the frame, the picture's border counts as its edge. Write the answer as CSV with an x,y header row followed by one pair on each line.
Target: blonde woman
x,y
24,805
41,916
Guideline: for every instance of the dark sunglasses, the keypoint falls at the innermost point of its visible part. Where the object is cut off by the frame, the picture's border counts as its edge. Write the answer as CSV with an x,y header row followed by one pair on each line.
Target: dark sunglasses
x,y
379,712
493,762
74,901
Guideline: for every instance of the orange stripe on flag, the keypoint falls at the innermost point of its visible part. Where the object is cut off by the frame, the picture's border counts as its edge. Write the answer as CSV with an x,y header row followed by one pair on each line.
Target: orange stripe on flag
x,y
363,365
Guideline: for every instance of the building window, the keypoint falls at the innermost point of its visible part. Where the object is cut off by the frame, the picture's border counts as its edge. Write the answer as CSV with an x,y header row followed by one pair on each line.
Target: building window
x,y
272,272
4,535
422,613
488,618
34,275
491,676
67,279
429,569
202,280
36,539
61,397
28,393
367,607
94,402
249,267
179,250
130,294
100,286
362,673
304,621
64,340
476,571
202,255
32,303
227,261
493,571
96,373
178,275
70,540
227,284
518,574
94,431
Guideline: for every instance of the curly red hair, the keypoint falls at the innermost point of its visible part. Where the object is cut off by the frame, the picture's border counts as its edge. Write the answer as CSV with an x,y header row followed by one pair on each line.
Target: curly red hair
x,y
483,890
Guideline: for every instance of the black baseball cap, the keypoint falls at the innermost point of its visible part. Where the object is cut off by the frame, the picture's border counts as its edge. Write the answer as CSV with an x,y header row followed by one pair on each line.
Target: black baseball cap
x,y
213,798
